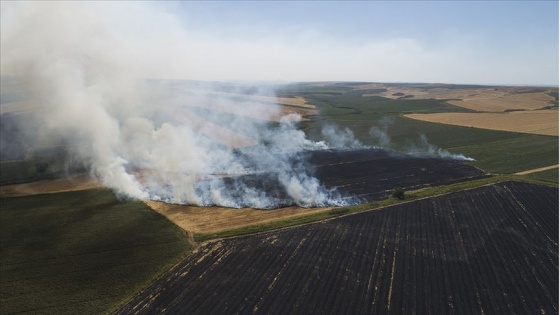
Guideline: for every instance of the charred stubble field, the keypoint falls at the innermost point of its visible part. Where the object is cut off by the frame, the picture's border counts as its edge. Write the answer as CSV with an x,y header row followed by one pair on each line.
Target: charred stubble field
x,y
369,173
491,250
358,175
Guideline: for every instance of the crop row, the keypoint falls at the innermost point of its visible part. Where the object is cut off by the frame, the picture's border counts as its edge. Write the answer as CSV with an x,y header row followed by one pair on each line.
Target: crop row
x,y
491,250
368,174
80,252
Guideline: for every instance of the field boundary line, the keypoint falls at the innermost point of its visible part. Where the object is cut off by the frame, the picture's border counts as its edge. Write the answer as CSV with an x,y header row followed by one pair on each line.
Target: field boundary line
x,y
373,208
536,170
488,181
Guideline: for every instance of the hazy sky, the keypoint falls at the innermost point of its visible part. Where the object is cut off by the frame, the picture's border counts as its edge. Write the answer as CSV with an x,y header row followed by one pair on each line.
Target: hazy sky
x,y
506,42
499,42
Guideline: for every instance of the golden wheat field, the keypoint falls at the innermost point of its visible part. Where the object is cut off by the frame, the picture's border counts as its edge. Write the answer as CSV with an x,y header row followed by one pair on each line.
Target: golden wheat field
x,y
542,122
212,219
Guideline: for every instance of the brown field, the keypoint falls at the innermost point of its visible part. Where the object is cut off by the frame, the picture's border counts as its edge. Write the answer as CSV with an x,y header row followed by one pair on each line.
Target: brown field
x,y
223,135
542,122
524,101
275,114
516,109
71,183
437,93
290,110
18,107
484,99
262,107
293,101
213,219
229,137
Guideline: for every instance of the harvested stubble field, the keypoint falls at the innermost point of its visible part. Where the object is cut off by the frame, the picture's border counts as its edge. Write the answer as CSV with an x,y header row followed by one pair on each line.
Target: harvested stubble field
x,y
250,104
509,110
291,101
214,219
508,101
475,97
541,122
256,108
491,250
69,183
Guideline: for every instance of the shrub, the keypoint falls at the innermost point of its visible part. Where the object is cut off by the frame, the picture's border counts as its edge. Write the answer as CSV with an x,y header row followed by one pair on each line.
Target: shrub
x,y
398,193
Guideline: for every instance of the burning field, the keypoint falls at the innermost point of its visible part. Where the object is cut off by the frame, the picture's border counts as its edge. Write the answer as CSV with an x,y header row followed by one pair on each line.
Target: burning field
x,y
219,144
341,177
349,176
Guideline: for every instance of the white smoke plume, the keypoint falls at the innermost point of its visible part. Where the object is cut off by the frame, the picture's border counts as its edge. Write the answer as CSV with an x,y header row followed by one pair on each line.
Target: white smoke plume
x,y
337,138
423,148
172,141
380,133
382,139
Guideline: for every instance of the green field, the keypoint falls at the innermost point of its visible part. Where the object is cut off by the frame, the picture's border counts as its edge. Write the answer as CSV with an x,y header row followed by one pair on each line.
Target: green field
x,y
547,176
17,172
520,153
44,163
80,252
495,151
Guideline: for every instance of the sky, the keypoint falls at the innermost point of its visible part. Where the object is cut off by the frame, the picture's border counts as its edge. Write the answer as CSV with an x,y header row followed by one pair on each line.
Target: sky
x,y
500,42
471,42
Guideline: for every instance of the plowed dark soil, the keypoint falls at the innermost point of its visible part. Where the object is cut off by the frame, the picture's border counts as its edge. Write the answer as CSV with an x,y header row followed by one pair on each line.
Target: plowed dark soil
x,y
490,250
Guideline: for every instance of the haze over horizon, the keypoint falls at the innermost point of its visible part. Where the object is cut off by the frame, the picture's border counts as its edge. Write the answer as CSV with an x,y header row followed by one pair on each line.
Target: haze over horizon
x,y
501,43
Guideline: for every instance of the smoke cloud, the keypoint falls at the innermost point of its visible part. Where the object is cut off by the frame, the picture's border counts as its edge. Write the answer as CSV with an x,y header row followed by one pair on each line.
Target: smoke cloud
x,y
380,134
85,65
421,147
180,142
337,138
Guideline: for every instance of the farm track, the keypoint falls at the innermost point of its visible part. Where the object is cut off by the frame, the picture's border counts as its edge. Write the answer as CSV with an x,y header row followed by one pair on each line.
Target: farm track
x,y
491,250
536,170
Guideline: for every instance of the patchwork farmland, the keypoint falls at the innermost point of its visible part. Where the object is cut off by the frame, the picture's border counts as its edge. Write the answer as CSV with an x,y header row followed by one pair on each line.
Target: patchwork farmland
x,y
491,250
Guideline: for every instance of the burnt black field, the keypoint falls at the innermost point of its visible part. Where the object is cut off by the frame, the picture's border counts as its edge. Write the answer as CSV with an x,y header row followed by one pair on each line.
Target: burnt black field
x,y
490,250
356,176
369,174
